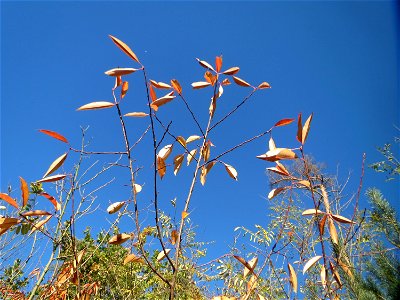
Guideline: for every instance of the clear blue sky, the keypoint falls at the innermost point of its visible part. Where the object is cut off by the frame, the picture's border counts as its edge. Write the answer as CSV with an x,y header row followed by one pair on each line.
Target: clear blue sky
x,y
336,59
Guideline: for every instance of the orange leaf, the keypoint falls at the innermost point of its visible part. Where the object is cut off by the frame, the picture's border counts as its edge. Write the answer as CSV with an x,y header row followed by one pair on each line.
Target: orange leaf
x,y
176,85
264,85
56,164
205,64
225,82
231,171
218,63
283,122
200,84
153,95
9,200
161,101
335,274
306,129
120,71
231,71
25,191
52,178
119,239
161,167
292,278
125,48
310,263
118,81
322,224
33,213
174,237
341,219
210,78
96,105
245,263
124,89
178,163
136,114
54,134
184,214
53,200
8,222
160,85
133,258
240,81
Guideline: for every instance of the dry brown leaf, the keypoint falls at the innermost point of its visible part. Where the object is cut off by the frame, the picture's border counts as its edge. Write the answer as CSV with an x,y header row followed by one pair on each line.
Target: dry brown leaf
x,y
24,191
136,114
120,71
178,163
322,224
56,164
119,238
332,231
161,167
283,122
205,64
34,213
210,78
181,140
205,152
133,258
176,85
163,254
204,171
278,171
160,85
240,81
264,85
96,105
311,212
40,224
292,278
231,71
341,219
116,206
190,156
125,48
165,151
53,200
9,200
231,171
54,134
225,82
52,178
8,222
174,237
310,263
299,135
278,154
252,264
184,214
275,192
345,268
335,273
200,84
124,89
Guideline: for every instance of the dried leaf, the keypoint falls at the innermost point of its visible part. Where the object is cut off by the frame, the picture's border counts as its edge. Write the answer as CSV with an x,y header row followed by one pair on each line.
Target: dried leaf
x,y
56,164
278,154
231,171
200,84
306,183
283,122
163,254
133,258
125,48
299,129
174,237
184,214
160,85
205,64
40,224
332,231
259,297
213,106
190,156
252,264
322,224
120,71
231,71
165,151
9,200
245,263
205,152
52,178
118,82
116,206
204,171
310,263
96,105
311,212
252,283
8,222
345,268
225,82
306,129
176,85
34,213
341,219
24,191
275,192
192,138
119,239
279,169
292,278
153,94
53,200
181,141
161,167
54,134
335,274
240,81
161,101
178,163
136,114
264,85
218,63
271,144
124,89
137,188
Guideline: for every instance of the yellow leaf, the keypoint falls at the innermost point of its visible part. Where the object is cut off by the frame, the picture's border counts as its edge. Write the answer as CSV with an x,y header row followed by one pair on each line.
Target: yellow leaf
x,y
96,105
40,224
165,151
120,71
292,278
125,48
200,84
116,206
275,192
252,284
231,171
136,114
56,164
252,264
163,254
9,200
231,71
190,156
312,211
52,178
178,163
176,85
264,85
119,239
161,167
310,263
192,138
24,191
240,81
174,237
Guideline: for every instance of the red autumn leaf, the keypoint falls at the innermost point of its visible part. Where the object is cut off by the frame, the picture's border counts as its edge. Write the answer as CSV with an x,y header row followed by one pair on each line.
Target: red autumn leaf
x,y
283,122
54,134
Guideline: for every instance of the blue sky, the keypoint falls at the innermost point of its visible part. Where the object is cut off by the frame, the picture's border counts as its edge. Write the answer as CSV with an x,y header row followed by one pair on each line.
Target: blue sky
x,y
336,59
